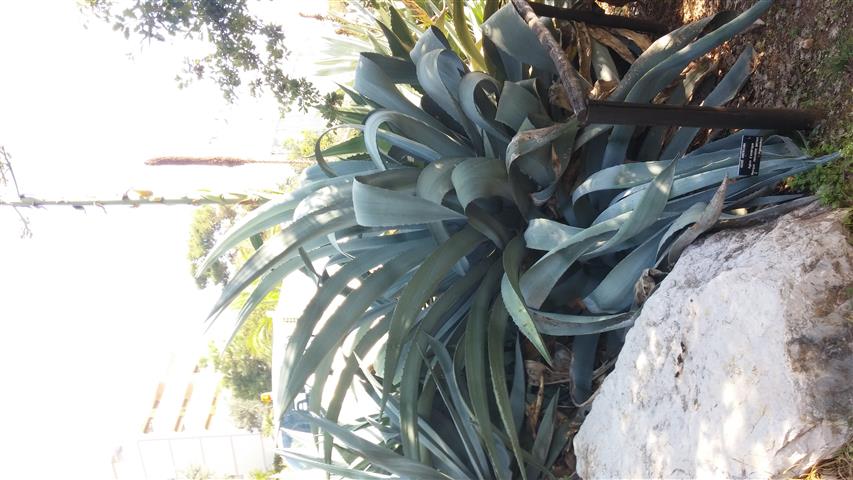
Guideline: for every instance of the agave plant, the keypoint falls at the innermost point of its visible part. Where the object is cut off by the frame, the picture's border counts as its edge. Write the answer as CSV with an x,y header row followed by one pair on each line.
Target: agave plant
x,y
485,226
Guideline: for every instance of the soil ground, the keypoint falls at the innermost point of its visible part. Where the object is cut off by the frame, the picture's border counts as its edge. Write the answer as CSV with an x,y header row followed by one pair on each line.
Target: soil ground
x,y
805,50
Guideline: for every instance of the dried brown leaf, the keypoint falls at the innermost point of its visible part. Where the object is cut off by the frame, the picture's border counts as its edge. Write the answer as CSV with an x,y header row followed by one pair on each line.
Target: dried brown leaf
x,y
584,50
613,42
557,96
419,13
603,89
535,371
694,76
638,38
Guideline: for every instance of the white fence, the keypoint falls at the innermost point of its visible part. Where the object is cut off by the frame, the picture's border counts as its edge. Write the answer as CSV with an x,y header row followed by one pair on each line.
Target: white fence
x,y
173,456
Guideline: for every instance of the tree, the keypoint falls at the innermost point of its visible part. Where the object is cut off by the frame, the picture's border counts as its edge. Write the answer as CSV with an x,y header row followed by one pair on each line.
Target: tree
x,y
246,363
251,415
303,145
207,221
244,372
247,371
245,49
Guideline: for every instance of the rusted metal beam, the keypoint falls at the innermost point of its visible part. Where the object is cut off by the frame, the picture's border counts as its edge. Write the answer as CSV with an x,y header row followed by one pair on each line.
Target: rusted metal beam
x,y
601,19
622,113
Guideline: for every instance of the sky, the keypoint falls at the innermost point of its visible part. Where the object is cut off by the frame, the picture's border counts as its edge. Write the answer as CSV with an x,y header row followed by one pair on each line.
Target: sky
x,y
93,303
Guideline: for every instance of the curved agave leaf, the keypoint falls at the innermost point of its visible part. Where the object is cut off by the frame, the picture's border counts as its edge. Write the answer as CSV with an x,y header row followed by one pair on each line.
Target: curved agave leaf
x,y
401,28
513,256
615,293
538,281
379,456
563,325
432,39
421,288
421,140
476,106
330,467
724,92
649,207
474,162
375,85
307,322
602,63
339,324
515,104
433,442
440,73
660,50
497,332
664,72
544,436
475,365
544,234
448,386
270,214
478,178
508,31
381,207
411,378
700,181
283,246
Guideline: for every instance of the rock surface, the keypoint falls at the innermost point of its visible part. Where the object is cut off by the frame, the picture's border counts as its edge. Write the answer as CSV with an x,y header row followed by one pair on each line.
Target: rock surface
x,y
739,366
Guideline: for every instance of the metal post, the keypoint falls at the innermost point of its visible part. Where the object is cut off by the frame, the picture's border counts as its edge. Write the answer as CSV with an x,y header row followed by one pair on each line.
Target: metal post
x,y
233,454
622,113
172,455
201,449
594,18
141,459
263,448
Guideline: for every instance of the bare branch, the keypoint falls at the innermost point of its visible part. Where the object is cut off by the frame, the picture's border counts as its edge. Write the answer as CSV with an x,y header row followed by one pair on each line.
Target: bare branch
x,y
569,77
26,232
7,165
143,198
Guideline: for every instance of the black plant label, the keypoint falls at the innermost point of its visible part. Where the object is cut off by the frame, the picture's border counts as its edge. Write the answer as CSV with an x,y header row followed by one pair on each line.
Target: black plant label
x,y
750,155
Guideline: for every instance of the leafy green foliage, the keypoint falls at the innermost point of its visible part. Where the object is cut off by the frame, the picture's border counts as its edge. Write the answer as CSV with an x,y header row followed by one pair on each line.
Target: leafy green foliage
x,y
833,182
246,375
208,221
264,475
245,363
197,472
245,49
251,415
303,146
842,60
487,230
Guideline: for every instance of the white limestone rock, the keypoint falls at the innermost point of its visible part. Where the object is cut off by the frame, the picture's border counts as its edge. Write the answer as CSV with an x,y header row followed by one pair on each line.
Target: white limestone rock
x,y
740,364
